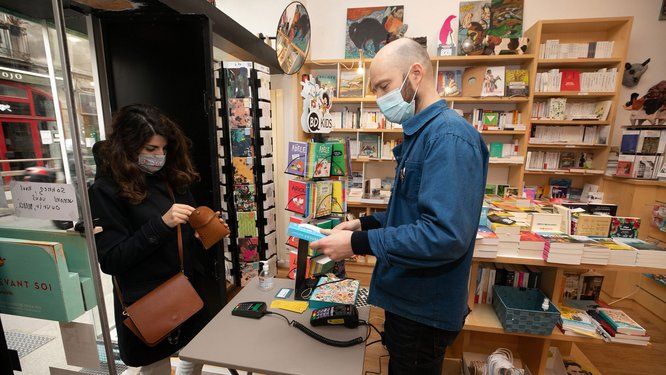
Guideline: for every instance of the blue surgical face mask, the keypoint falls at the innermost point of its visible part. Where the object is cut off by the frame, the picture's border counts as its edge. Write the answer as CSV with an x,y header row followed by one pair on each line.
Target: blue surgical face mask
x,y
394,107
150,163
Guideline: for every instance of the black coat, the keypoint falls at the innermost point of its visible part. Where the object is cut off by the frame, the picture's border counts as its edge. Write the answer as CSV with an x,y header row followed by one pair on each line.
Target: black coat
x,y
141,251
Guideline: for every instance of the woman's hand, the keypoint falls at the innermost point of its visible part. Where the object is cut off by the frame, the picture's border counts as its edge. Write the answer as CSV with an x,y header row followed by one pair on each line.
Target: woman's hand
x,y
177,214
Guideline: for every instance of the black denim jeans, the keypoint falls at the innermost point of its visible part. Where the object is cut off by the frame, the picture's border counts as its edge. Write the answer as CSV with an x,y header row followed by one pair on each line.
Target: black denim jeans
x,y
415,348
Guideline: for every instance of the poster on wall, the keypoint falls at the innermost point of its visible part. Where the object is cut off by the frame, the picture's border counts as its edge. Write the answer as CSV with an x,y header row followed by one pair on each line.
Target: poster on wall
x,y
506,18
474,23
370,28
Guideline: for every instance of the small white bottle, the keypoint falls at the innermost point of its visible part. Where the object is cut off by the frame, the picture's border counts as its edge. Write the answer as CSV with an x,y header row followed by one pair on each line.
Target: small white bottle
x,y
265,277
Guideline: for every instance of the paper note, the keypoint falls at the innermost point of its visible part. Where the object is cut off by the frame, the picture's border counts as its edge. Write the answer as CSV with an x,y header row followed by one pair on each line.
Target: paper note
x,y
78,340
44,200
295,306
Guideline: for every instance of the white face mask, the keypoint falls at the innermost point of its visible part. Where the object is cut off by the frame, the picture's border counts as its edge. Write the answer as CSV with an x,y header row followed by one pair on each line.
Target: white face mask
x,y
394,107
151,163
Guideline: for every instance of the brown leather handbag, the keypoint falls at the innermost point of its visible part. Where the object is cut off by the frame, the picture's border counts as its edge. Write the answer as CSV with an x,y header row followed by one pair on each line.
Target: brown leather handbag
x,y
154,316
210,229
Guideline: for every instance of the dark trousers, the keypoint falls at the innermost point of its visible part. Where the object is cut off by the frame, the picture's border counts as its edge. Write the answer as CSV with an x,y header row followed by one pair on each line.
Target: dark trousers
x,y
415,348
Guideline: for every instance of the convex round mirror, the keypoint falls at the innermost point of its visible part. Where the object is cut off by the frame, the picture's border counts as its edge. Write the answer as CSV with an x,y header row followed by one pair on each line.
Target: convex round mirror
x,y
293,37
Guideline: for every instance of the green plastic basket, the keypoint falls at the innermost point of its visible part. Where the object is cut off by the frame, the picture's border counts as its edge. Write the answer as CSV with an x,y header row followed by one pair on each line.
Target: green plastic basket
x,y
519,310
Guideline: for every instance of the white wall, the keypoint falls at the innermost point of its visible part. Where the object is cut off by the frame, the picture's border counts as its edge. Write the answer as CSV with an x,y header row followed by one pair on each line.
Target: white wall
x,y
425,18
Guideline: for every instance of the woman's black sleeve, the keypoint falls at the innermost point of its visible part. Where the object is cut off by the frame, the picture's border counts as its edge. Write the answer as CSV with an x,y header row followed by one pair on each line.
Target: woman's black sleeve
x,y
118,248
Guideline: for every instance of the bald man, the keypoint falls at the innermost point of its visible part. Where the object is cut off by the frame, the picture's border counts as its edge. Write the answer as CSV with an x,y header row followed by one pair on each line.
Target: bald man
x,y
425,239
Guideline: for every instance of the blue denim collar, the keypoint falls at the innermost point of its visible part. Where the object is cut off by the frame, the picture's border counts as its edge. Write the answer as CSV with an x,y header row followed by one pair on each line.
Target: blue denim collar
x,y
411,126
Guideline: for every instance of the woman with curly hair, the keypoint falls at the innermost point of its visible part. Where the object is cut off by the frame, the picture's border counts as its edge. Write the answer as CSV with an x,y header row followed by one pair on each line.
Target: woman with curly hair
x,y
139,197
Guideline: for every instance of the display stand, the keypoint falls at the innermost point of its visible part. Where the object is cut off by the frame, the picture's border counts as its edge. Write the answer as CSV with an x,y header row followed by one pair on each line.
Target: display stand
x,y
250,112
301,264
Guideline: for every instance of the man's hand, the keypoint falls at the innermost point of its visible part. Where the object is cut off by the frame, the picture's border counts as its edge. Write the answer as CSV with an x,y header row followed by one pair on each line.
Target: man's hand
x,y
336,246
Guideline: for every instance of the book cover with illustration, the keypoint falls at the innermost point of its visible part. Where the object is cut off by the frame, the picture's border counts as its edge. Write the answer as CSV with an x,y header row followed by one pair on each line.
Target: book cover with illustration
x,y
297,157
369,145
297,197
339,159
625,227
506,18
241,142
238,82
351,84
517,82
319,161
338,201
449,82
240,115
244,197
621,322
328,82
493,81
474,21
321,201
243,170
247,224
248,249
570,80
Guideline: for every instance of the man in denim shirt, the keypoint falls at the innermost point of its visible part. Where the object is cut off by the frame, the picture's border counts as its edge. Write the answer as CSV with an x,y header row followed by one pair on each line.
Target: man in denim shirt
x,y
425,239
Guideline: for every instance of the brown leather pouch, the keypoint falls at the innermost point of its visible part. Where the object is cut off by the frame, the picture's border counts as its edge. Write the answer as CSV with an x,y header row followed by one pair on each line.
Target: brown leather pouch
x,y
207,224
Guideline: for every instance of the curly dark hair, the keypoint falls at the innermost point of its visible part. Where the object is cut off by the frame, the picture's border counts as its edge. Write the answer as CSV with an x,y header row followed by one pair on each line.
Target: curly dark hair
x,y
132,127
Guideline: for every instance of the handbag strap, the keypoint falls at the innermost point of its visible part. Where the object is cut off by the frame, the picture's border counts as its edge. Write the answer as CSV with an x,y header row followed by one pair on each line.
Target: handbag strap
x,y
180,255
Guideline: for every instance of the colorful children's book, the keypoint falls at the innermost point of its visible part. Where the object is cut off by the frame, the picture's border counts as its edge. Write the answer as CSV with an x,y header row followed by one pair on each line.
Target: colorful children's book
x,y
321,199
297,158
339,159
241,142
319,160
449,82
297,198
625,227
493,81
247,224
621,322
248,249
244,197
490,119
328,82
351,84
338,199
369,145
243,170
334,293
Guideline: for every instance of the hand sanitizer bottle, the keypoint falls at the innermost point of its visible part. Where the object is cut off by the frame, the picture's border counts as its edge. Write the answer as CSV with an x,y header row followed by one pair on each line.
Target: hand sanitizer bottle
x,y
265,277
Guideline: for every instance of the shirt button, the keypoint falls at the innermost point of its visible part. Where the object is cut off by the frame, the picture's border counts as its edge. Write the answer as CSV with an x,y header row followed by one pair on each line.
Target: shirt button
x,y
152,239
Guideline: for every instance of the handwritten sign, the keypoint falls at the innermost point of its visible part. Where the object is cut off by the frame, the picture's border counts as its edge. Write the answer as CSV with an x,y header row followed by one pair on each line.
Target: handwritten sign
x,y
44,200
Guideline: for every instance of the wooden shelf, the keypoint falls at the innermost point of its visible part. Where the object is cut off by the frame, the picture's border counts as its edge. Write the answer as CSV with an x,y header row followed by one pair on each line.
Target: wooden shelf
x,y
366,131
371,160
566,173
644,127
570,122
565,145
485,99
636,181
573,94
366,205
543,263
502,132
505,163
483,59
578,63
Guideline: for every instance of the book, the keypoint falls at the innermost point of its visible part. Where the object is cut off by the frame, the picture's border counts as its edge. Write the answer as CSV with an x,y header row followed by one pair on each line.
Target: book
x,y
298,196
490,119
629,142
517,82
568,160
243,173
338,197
369,145
648,142
339,158
625,166
321,199
493,81
297,156
590,286
577,321
546,222
496,150
602,109
624,227
319,160
583,224
241,142
328,82
621,322
570,80
335,292
244,197
449,82
351,84
645,166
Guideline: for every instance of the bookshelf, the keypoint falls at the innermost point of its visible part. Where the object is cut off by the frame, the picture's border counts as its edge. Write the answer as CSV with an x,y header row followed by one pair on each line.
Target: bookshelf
x,y
483,331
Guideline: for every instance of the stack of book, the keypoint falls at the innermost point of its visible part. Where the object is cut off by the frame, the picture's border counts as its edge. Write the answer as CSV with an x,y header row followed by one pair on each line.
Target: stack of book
x,y
562,248
575,322
620,327
569,134
484,119
505,153
593,252
620,254
486,243
559,109
531,245
648,254
553,49
603,80
509,239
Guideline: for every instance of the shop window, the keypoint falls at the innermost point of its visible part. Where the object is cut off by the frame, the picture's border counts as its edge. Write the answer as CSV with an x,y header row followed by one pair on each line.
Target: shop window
x,y
14,108
19,143
9,90
43,105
